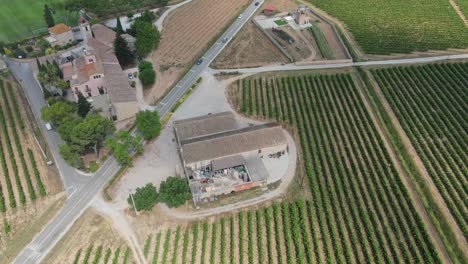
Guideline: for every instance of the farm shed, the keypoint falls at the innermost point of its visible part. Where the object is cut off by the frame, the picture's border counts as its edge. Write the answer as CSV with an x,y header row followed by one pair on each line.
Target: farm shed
x,y
219,156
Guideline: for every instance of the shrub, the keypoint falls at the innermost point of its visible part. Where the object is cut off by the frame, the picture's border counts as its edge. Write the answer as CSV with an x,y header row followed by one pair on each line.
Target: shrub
x,y
93,166
174,191
145,197
147,77
144,65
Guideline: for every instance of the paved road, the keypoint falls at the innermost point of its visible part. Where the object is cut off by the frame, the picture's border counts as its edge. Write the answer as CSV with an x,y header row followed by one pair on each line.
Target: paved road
x,y
294,67
193,74
81,189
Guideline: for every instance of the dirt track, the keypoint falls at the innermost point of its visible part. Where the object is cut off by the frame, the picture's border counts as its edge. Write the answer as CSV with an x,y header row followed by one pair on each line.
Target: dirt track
x,y
406,181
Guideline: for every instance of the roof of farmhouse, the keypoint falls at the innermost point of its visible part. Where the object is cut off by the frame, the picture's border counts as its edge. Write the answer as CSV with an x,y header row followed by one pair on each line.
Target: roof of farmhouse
x,y
232,142
205,125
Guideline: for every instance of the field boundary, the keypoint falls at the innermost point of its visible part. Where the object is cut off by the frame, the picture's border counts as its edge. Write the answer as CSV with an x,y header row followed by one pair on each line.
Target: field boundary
x,y
403,175
441,218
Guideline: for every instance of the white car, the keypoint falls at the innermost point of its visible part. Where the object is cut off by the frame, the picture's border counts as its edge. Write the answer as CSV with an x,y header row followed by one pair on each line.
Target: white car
x,y
48,126
240,16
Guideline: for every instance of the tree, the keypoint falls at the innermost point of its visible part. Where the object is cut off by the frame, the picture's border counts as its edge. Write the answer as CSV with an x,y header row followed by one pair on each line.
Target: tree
x,y
147,37
119,28
71,154
122,51
145,197
145,65
65,129
49,19
121,144
91,132
147,122
174,191
147,77
83,105
59,112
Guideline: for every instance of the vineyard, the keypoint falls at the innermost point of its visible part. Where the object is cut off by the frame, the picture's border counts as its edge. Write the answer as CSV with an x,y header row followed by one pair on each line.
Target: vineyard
x,y
21,180
360,211
100,254
384,27
431,103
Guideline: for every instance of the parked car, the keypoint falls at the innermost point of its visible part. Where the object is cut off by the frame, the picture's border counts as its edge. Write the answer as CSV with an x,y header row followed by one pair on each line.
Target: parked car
x,y
130,75
200,61
48,126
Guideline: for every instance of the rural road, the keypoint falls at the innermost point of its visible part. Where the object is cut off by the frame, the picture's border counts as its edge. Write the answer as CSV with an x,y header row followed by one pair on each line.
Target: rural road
x,y
294,67
165,105
81,189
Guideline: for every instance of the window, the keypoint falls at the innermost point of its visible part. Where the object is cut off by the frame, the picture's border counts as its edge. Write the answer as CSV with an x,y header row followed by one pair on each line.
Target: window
x,y
89,94
90,60
101,90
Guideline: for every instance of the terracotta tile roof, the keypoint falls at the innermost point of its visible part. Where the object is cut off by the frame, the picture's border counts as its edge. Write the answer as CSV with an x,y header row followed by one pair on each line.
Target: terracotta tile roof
x,y
59,29
103,34
118,88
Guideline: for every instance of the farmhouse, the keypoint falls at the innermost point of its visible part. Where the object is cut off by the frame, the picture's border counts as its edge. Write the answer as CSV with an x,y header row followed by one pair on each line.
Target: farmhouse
x,y
95,71
220,157
60,35
301,16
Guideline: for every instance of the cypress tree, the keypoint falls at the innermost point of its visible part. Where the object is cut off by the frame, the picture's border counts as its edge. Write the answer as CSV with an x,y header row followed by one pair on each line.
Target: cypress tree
x,y
122,51
119,28
83,105
49,19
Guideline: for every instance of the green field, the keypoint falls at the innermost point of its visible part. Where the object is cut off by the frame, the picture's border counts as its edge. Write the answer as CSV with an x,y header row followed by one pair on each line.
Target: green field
x,y
399,26
21,19
430,102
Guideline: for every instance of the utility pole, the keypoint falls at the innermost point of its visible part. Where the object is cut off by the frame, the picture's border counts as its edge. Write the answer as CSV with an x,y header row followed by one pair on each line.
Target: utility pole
x,y
133,201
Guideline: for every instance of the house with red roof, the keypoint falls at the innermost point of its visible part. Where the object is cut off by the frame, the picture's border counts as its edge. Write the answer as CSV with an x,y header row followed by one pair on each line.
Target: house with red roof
x,y
269,9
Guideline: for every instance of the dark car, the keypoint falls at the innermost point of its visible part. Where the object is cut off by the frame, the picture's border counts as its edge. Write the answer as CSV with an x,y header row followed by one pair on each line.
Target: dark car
x,y
257,3
200,61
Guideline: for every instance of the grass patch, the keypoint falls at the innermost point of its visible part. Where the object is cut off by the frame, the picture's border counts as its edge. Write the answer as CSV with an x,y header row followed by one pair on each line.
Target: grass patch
x,y
111,182
280,22
322,42
20,19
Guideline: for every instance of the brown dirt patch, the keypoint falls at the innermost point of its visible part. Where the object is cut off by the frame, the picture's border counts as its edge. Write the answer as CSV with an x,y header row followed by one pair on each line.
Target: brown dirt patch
x,y
90,228
250,48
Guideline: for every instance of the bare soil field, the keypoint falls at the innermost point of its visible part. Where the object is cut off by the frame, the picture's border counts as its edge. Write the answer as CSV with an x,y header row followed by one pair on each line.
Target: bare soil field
x,y
30,190
93,231
250,48
187,32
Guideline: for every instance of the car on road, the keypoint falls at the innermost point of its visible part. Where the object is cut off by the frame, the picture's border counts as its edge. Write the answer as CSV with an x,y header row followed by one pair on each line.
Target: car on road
x,y
200,61
48,126
240,16
225,40
257,3
130,75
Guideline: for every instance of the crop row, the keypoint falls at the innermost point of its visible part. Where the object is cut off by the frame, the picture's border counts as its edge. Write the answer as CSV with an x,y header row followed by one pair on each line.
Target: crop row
x,y
361,207
430,102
